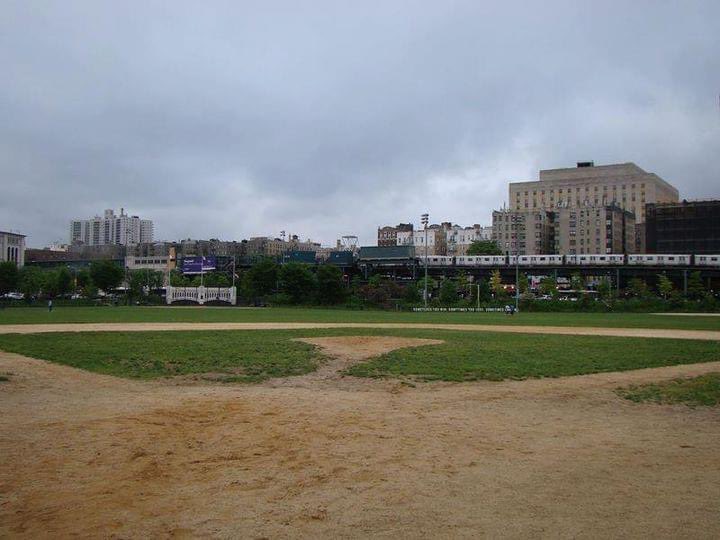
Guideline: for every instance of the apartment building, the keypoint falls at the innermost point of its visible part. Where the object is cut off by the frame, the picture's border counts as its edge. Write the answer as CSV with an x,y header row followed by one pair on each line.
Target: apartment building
x,y
275,247
12,248
684,227
435,237
387,236
119,229
625,185
593,229
525,232
459,238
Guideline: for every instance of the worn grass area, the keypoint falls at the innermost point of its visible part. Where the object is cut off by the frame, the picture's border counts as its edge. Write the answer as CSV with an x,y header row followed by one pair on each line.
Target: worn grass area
x,y
224,356
229,314
252,356
697,391
492,356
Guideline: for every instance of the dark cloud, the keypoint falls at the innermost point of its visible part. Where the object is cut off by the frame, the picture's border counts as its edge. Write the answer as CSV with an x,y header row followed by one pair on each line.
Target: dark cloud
x,y
238,119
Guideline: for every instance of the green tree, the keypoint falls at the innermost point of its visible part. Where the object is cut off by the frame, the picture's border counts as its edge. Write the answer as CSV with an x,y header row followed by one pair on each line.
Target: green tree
x,y
106,275
330,286
463,285
638,288
483,247
695,287
297,282
664,285
216,279
50,282
379,292
496,285
548,286
31,281
142,280
9,277
448,293
90,290
577,283
261,279
177,279
63,280
482,289
83,278
412,294
604,288
524,283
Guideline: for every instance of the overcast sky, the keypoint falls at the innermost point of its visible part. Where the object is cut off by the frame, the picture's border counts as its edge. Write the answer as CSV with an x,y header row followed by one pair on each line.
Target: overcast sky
x,y
238,119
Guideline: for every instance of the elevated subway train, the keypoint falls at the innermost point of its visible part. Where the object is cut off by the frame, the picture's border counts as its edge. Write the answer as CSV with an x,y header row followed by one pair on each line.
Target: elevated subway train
x,y
484,261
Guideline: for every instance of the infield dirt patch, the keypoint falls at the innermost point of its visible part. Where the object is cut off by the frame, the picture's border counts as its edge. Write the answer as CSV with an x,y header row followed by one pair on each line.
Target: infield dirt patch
x,y
95,456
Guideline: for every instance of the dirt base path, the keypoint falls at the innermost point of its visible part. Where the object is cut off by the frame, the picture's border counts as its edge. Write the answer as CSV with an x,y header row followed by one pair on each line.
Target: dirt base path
x,y
562,330
88,455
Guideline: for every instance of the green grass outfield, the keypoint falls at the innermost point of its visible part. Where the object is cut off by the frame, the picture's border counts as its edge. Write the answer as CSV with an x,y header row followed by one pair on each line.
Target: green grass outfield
x,y
251,356
697,391
211,314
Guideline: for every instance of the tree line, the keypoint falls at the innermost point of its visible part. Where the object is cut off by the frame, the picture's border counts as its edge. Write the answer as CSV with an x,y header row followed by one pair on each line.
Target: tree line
x,y
104,275
295,283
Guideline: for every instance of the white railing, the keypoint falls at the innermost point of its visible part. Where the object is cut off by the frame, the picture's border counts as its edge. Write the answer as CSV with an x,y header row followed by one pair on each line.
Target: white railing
x,y
201,295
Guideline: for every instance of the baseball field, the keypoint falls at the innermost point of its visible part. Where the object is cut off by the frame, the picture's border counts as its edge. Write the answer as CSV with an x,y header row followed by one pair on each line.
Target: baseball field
x,y
265,423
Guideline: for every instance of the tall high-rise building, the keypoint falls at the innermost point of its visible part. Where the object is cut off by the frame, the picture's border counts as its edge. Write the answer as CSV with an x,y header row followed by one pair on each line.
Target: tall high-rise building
x,y
625,185
120,229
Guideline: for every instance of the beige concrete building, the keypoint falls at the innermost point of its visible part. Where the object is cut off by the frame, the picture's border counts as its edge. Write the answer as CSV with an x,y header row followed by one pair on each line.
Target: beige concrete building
x,y
625,185
12,248
525,232
596,230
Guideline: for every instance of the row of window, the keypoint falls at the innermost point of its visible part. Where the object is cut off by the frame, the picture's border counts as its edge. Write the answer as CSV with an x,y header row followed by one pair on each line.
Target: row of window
x,y
577,189
151,261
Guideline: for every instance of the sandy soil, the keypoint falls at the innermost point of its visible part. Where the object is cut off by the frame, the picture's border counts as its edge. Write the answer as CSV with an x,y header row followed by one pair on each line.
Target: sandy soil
x,y
95,456
711,335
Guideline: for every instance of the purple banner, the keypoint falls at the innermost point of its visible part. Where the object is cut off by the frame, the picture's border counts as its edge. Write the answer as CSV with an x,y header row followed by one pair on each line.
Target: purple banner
x,y
198,265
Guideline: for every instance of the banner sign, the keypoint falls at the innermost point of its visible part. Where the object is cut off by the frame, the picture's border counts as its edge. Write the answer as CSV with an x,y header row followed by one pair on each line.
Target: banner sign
x,y
198,265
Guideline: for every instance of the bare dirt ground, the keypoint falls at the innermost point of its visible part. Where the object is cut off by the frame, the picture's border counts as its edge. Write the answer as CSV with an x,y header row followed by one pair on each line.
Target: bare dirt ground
x,y
711,335
95,456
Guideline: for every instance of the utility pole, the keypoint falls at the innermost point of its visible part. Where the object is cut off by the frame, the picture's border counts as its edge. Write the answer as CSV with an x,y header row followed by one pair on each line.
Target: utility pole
x,y
424,220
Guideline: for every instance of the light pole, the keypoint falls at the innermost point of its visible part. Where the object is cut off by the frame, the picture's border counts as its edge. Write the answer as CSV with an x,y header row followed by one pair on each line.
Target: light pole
x,y
424,220
517,262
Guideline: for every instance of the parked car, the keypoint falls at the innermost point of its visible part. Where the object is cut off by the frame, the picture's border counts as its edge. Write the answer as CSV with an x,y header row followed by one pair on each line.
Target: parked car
x,y
14,296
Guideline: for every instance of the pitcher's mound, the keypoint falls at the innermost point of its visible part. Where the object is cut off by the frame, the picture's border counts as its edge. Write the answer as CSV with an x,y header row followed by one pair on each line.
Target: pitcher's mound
x,y
363,347
348,350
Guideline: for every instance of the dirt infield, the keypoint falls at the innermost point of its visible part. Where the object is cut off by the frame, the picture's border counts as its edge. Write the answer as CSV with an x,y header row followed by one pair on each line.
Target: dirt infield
x,y
710,335
95,456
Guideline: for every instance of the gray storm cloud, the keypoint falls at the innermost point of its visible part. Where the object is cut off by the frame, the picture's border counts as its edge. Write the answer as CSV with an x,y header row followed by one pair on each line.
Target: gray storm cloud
x,y
239,119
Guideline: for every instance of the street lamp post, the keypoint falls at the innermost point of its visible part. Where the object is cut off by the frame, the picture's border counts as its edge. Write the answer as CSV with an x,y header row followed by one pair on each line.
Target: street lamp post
x,y
517,262
424,220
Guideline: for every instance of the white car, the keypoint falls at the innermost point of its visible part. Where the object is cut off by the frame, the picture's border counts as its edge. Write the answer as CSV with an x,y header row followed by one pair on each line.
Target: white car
x,y
14,296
